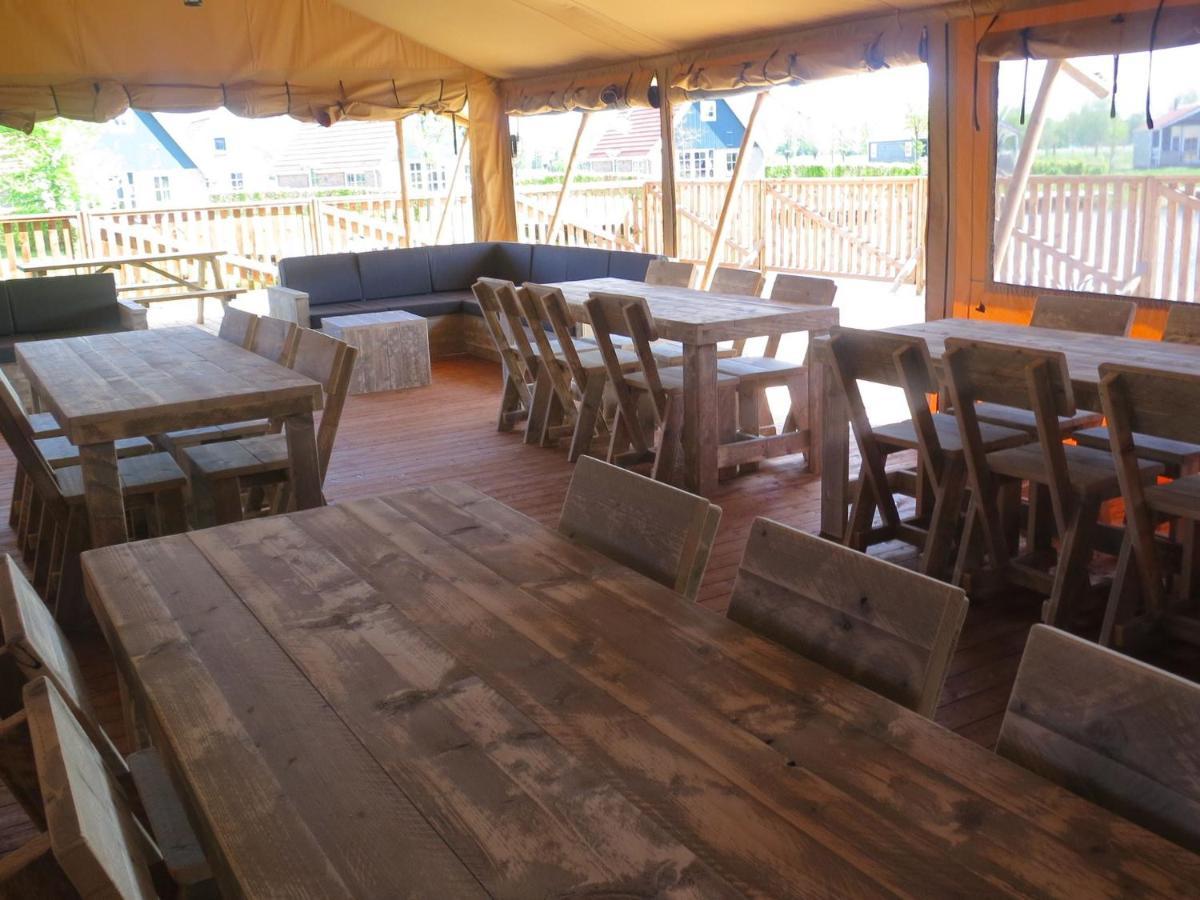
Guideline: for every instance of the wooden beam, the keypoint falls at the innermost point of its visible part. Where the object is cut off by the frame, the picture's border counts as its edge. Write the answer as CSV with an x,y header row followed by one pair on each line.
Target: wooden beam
x,y
572,160
401,158
666,127
1093,84
458,164
735,182
1020,178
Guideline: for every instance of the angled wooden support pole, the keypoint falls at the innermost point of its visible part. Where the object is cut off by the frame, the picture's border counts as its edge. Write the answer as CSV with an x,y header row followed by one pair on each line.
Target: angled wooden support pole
x,y
572,161
458,164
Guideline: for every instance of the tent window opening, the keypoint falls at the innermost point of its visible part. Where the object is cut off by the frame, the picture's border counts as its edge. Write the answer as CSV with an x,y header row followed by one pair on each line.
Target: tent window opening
x,y
1087,196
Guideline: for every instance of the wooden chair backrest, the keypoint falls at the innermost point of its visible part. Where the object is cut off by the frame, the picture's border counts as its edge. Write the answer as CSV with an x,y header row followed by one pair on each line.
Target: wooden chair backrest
x,y
1151,401
653,528
237,327
1087,315
551,306
17,432
742,282
668,273
888,628
494,316
1183,324
560,377
1001,373
629,316
803,290
1121,733
275,339
97,842
330,362
519,329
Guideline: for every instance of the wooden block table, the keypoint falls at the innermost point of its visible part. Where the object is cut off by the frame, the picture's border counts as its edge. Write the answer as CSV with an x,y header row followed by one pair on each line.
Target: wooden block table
x,y
393,349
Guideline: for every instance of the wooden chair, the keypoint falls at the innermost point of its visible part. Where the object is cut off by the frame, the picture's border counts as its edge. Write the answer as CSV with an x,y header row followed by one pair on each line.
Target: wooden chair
x,y
218,472
237,327
1077,480
668,273
41,425
660,531
1114,730
741,283
1108,317
579,377
275,339
1146,408
517,396
649,417
877,357
1183,324
880,625
93,844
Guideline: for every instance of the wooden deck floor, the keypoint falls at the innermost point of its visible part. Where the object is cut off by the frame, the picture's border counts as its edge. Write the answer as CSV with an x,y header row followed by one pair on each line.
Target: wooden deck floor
x,y
446,432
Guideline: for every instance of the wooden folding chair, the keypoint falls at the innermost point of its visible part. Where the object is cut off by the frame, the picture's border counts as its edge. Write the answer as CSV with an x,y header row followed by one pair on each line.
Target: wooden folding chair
x,y
517,396
93,844
1109,317
655,529
741,283
583,400
1147,408
878,624
237,327
669,273
649,421
1114,730
219,472
1077,480
878,357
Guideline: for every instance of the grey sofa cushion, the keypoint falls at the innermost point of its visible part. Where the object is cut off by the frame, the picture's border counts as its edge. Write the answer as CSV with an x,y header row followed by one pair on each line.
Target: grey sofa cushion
x,y
455,267
550,264
6,319
628,264
64,302
328,278
510,261
428,305
394,273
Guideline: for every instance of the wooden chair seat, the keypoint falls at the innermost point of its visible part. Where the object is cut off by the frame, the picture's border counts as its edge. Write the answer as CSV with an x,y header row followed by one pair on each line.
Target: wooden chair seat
x,y
672,380
1180,497
248,456
60,452
759,368
1178,456
1090,472
174,441
1012,417
173,833
594,362
903,435
147,474
45,425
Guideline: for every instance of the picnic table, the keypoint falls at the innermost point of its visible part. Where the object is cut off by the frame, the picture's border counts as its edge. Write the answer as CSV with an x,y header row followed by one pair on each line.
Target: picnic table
x,y
429,694
101,388
700,320
178,285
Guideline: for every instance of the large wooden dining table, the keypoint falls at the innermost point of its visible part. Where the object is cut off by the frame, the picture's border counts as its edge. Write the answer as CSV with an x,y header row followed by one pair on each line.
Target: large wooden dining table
x,y
700,320
427,694
104,387
1084,354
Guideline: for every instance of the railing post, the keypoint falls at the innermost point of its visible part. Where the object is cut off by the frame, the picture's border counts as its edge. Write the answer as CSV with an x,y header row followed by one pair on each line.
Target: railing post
x,y
1149,249
318,225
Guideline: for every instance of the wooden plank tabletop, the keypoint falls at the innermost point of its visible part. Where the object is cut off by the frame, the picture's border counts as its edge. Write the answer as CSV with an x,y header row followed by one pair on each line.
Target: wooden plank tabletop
x,y
130,383
48,264
428,694
700,317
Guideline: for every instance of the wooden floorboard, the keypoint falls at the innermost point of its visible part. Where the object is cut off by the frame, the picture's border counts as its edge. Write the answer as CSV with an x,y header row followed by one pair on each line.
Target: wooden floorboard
x,y
447,432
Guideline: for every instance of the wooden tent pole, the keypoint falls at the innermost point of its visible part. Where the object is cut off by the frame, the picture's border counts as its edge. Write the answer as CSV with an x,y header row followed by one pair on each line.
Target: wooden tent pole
x,y
1020,178
735,182
666,128
458,164
401,158
572,160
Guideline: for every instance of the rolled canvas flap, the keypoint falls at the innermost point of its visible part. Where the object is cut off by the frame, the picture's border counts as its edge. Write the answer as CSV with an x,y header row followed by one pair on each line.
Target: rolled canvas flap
x,y
1124,33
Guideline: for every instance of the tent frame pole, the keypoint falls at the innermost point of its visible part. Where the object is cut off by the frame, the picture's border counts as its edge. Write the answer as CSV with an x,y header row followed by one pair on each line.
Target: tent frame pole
x,y
666,128
572,162
405,208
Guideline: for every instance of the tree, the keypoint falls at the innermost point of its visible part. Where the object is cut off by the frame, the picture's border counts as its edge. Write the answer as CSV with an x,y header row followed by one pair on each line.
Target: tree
x,y
35,171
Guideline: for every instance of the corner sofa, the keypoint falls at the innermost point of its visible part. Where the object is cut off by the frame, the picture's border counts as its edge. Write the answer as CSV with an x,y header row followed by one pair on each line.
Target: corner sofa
x,y
33,309
435,283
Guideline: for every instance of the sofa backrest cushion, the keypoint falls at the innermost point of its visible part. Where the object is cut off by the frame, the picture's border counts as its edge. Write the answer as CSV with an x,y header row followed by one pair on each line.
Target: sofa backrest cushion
x,y
6,319
510,261
328,278
627,264
550,264
63,303
394,273
455,267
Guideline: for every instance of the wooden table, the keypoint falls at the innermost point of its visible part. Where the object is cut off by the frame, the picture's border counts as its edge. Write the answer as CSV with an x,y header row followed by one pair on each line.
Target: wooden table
x,y
700,320
428,694
192,287
104,387
1084,352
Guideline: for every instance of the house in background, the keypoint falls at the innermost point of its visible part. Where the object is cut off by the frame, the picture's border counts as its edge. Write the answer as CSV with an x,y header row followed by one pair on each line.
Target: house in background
x,y
900,151
135,163
708,136
357,156
1175,140
235,154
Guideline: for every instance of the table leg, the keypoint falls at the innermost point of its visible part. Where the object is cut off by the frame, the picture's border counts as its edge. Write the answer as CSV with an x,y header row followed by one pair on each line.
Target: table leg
x,y
834,452
817,377
700,418
102,494
305,465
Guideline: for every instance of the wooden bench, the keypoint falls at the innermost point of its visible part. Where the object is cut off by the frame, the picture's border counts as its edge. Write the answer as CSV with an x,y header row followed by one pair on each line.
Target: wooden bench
x,y
225,295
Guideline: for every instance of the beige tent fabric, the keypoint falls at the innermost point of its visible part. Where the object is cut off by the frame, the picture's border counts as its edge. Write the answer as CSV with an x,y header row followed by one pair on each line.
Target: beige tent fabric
x,y
492,194
312,59
1127,33
613,87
